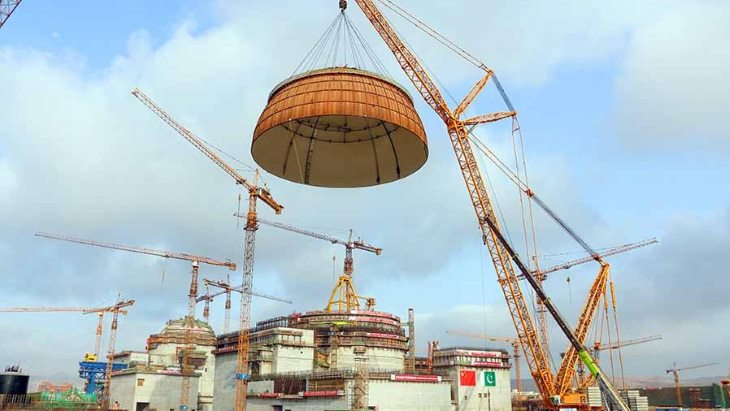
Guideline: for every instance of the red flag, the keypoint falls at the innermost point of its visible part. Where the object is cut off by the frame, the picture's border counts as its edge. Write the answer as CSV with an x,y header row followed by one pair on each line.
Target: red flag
x,y
468,378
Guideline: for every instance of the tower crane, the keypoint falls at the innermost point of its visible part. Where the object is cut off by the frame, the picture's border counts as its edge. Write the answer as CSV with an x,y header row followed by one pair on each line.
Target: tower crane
x,y
255,193
675,373
343,296
7,7
502,253
116,308
227,289
100,311
195,259
514,342
192,294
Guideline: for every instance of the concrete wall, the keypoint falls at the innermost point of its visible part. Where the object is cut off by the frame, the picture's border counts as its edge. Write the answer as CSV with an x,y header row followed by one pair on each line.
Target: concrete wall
x,y
377,358
161,391
292,359
224,387
480,397
310,404
409,396
166,355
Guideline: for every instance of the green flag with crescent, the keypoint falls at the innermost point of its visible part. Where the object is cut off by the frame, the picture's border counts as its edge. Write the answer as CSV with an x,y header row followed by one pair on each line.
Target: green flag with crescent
x,y
490,379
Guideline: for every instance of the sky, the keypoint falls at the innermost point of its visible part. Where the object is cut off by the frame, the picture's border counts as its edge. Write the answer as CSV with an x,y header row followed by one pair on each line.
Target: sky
x,y
623,109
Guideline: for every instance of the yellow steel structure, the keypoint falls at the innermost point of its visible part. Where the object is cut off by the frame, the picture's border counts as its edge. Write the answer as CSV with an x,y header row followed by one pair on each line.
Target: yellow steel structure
x,y
255,193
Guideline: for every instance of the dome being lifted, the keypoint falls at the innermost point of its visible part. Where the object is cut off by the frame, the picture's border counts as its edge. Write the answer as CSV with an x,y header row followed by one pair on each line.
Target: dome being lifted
x,y
339,127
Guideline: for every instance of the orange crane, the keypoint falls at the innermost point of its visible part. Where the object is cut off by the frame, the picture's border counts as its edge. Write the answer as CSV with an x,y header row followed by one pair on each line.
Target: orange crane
x,y
514,342
343,296
502,254
7,7
100,311
227,289
192,294
255,193
675,373
115,309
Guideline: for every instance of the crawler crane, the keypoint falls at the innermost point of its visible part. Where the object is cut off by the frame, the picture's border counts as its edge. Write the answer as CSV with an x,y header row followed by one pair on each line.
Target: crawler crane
x,y
255,193
502,253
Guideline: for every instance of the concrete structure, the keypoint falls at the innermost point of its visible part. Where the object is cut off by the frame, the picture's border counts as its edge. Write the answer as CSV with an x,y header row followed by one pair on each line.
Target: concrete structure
x,y
153,380
334,360
151,391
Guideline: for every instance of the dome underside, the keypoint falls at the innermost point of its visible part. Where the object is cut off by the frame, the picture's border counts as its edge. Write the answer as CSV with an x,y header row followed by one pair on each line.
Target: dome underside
x,y
340,128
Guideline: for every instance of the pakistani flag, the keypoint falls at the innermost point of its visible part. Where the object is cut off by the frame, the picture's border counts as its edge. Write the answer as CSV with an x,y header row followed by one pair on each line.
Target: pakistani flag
x,y
490,379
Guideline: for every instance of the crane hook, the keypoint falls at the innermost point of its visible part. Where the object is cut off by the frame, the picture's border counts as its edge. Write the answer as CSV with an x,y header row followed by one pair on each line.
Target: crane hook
x,y
343,5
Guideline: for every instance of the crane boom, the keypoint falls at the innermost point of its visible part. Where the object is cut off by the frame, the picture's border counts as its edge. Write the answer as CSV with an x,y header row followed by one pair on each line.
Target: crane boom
x,y
612,251
626,343
500,250
225,288
141,250
7,7
262,193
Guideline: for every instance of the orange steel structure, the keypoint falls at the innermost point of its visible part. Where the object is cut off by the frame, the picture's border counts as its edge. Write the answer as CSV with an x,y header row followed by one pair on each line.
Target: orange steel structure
x,y
323,118
100,311
503,256
7,7
192,294
255,193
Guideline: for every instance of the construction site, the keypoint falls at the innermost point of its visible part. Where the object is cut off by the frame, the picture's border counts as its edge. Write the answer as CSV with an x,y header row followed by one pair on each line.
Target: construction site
x,y
342,122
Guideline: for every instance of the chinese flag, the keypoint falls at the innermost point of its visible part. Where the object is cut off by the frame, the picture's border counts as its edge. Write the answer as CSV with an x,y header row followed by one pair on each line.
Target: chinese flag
x,y
468,378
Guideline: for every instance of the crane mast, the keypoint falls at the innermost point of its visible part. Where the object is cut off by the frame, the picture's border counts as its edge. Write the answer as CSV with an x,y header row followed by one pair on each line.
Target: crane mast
x,y
500,251
115,309
254,193
343,296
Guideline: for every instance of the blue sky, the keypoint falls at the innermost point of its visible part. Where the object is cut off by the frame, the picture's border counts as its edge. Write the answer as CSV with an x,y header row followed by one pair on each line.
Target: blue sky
x,y
622,109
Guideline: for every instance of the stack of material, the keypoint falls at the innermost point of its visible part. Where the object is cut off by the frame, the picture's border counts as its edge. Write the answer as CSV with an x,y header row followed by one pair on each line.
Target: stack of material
x,y
635,401
595,399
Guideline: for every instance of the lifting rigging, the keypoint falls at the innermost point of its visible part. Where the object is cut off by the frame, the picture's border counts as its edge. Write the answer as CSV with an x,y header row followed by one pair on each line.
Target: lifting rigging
x,y
502,253
255,193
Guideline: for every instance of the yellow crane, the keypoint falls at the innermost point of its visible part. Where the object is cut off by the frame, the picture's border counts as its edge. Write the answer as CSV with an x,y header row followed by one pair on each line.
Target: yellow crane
x,y
502,253
196,260
227,289
343,296
255,193
675,373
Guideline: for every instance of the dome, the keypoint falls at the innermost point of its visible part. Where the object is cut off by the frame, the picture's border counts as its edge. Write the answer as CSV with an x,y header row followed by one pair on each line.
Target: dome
x,y
176,331
340,127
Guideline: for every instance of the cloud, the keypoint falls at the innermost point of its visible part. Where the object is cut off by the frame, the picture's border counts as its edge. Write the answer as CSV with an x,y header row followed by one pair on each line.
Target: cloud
x,y
672,91
81,156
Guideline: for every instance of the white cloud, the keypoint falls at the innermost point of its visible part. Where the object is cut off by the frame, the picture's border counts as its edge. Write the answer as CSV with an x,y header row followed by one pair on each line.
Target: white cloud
x,y
673,89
